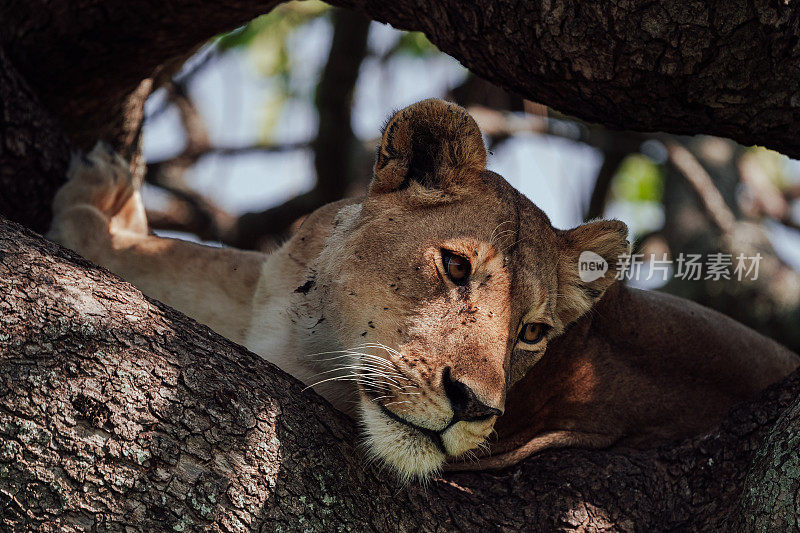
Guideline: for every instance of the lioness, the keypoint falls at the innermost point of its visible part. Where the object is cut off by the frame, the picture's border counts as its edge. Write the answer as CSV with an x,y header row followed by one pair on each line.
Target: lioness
x,y
440,307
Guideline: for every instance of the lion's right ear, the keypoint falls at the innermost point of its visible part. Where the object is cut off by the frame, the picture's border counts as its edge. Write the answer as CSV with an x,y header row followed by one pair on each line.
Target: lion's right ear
x,y
588,265
434,143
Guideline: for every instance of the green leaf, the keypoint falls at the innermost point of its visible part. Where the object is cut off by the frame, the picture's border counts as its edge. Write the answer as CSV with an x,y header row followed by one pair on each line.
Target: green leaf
x,y
274,27
415,44
638,179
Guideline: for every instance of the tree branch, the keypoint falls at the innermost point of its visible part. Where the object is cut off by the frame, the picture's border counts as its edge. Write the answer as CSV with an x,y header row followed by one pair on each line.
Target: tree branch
x,y
702,184
676,67
718,67
602,184
117,411
32,151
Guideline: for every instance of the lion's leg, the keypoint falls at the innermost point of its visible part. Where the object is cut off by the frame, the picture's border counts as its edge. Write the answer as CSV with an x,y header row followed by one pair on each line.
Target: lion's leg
x,y
552,439
99,214
98,200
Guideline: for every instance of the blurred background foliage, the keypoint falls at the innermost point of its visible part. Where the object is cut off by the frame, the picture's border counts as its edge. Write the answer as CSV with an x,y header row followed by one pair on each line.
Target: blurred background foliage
x,y
282,115
267,41
638,179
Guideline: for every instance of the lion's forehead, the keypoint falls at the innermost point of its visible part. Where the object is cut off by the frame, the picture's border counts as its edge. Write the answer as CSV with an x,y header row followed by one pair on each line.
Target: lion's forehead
x,y
389,251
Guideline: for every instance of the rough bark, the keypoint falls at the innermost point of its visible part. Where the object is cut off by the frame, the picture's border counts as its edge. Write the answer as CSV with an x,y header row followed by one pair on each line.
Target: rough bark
x,y
723,67
85,59
32,151
676,66
771,496
117,412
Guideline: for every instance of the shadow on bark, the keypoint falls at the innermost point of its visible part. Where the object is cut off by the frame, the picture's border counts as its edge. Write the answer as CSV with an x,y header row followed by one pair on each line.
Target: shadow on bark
x,y
118,412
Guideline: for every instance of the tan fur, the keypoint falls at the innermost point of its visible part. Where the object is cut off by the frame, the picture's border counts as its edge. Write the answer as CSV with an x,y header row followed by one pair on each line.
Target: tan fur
x,y
358,304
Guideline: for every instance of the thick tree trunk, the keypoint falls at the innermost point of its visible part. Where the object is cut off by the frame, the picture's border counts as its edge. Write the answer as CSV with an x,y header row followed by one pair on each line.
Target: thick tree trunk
x,y
117,412
721,67
770,498
725,67
33,152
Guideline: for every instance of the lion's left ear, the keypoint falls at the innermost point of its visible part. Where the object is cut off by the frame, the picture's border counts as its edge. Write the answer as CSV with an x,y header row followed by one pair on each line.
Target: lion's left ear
x,y
588,265
434,143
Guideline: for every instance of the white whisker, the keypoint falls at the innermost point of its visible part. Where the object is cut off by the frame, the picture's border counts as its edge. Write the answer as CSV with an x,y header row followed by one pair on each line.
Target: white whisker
x,y
497,227
396,403
366,371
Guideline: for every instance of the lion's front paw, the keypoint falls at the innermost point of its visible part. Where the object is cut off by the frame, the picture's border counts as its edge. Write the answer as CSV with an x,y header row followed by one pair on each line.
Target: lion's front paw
x,y
101,179
99,199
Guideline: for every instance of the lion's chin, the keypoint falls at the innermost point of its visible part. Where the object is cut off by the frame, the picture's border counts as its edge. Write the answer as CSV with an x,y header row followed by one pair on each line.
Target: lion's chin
x,y
412,455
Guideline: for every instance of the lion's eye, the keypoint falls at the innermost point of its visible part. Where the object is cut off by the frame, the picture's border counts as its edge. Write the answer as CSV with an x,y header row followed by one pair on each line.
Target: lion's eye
x,y
533,332
458,268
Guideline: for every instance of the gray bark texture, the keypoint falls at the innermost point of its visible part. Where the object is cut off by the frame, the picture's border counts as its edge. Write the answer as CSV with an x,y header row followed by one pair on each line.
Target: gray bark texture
x,y
770,498
118,413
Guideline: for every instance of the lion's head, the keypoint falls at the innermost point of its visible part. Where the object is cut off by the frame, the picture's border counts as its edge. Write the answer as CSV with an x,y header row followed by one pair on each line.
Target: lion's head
x,y
443,287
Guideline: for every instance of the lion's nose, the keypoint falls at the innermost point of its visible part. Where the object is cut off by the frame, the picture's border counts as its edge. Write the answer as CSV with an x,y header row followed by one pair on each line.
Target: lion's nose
x,y
465,405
